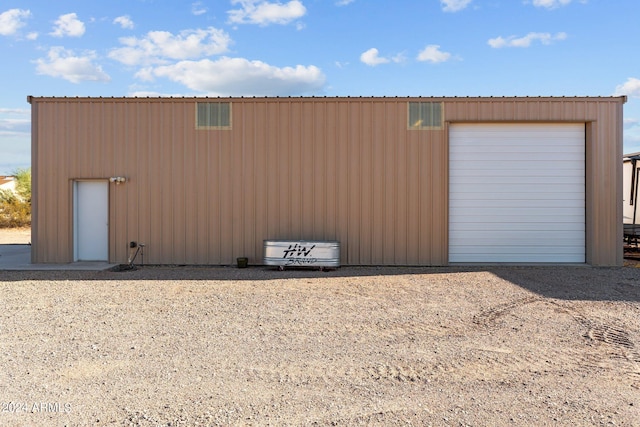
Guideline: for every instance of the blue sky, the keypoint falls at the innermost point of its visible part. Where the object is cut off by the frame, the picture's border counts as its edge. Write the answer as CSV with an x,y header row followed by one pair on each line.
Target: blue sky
x,y
314,47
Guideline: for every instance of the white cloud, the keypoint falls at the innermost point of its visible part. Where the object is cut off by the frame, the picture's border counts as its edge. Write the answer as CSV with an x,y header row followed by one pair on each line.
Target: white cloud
x,y
32,36
631,135
12,20
344,2
400,57
159,46
629,122
68,25
371,57
153,94
146,74
16,111
264,12
550,4
526,41
630,88
198,8
240,77
14,126
454,5
65,64
432,53
124,21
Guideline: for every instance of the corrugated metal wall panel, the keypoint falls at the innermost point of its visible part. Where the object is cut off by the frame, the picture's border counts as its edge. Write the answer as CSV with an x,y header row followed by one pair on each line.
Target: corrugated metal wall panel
x,y
311,168
392,140
379,172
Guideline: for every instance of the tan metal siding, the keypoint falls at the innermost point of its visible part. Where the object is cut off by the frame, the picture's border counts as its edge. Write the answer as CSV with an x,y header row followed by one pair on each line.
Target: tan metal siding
x,y
35,206
604,190
342,169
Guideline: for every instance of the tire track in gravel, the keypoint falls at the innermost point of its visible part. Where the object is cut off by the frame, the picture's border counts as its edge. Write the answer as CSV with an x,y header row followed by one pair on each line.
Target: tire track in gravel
x,y
383,418
612,347
473,360
604,332
596,330
400,373
484,360
489,316
616,346
607,346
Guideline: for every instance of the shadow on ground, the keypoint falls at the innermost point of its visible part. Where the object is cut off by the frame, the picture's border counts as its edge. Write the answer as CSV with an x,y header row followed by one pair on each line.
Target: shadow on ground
x,y
575,282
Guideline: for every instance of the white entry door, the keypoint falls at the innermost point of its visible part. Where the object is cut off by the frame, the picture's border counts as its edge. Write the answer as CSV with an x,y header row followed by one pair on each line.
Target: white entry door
x,y
91,220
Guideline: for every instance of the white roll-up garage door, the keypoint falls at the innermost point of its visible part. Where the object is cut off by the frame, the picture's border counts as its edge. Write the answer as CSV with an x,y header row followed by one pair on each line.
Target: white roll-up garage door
x,y
517,193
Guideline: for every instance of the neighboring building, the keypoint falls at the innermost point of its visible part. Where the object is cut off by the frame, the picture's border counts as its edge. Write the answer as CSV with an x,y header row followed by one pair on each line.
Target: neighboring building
x,y
630,193
8,183
397,181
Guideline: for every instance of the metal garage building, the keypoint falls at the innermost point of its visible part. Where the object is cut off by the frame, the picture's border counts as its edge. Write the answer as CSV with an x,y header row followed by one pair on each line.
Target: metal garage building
x,y
397,181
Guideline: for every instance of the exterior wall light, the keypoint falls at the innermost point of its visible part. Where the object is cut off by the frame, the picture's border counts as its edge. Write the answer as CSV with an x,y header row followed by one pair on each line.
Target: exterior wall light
x,y
118,179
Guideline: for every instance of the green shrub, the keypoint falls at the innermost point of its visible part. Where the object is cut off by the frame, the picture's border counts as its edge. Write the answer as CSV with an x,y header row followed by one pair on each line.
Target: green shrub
x,y
15,208
13,211
23,184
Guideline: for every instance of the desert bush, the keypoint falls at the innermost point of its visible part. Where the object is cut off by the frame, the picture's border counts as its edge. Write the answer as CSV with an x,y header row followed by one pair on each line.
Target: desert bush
x,y
23,184
15,207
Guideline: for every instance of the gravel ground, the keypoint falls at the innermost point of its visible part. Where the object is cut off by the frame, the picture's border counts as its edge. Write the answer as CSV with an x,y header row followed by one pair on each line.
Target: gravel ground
x,y
165,346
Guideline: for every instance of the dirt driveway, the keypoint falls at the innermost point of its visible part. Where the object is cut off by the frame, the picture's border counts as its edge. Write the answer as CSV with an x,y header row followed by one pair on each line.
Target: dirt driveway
x,y
15,236
356,346
160,346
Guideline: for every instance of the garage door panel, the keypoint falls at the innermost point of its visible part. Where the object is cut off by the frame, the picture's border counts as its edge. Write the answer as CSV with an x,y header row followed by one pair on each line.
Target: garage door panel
x,y
548,166
472,172
510,257
525,213
559,146
517,193
509,202
496,223
475,148
533,144
520,250
480,220
531,237
543,188
465,227
515,196
523,180
517,157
